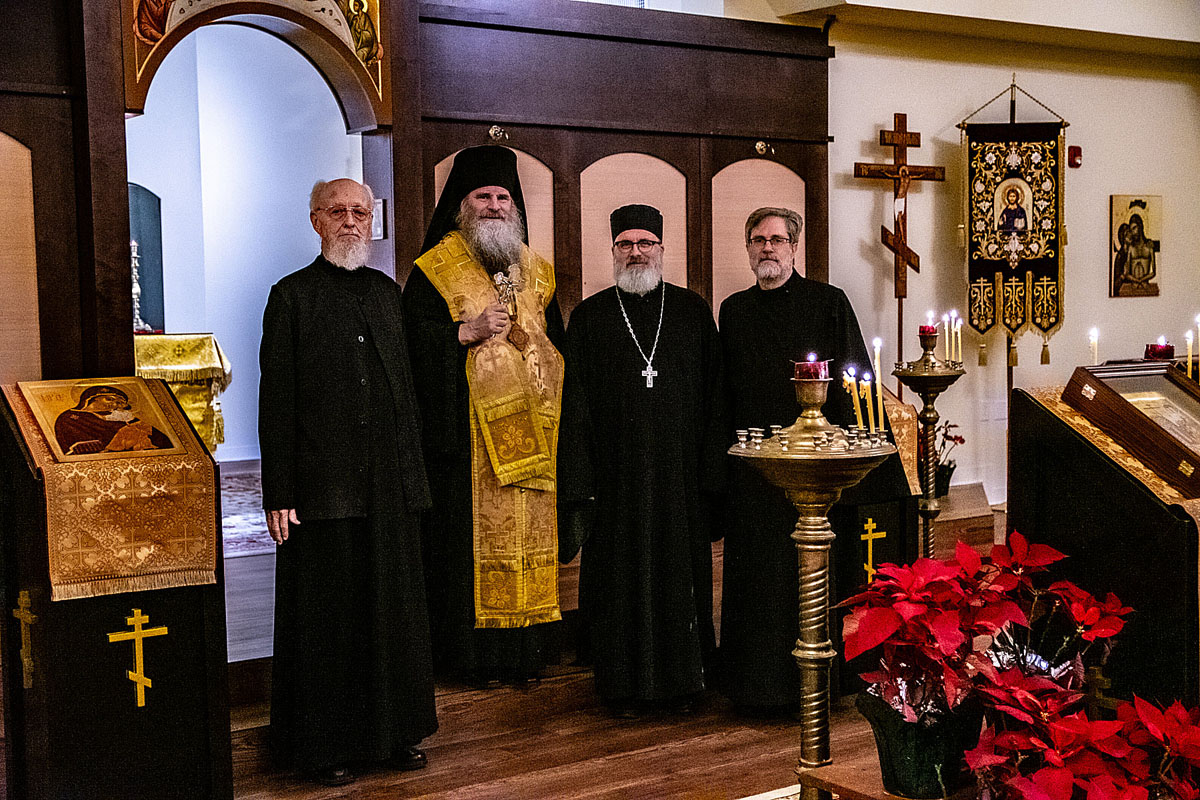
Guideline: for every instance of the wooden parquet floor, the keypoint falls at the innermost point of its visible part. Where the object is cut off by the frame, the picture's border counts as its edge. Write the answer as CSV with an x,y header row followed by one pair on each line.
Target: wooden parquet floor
x,y
558,741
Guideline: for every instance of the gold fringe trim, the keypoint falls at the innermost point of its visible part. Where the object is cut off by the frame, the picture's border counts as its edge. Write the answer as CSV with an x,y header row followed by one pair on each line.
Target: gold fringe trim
x,y
522,621
132,583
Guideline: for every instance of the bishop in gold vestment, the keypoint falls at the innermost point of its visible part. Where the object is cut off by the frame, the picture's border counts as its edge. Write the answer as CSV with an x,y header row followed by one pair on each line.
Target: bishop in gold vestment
x,y
483,342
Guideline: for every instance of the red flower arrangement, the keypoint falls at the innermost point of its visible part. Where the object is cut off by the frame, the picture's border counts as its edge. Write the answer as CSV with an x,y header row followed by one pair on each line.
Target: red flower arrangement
x,y
981,628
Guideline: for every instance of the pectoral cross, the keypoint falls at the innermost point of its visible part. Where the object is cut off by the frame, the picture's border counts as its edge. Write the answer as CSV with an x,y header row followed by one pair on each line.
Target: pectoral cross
x,y
901,174
648,373
137,674
869,537
27,618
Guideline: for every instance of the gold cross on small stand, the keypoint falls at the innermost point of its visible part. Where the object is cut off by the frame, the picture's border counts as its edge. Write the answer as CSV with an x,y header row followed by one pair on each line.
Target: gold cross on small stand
x,y
869,537
137,674
27,618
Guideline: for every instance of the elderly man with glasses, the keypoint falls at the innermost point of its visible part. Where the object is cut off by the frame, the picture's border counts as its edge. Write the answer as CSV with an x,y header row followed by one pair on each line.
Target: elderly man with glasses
x,y
782,318
343,485
646,363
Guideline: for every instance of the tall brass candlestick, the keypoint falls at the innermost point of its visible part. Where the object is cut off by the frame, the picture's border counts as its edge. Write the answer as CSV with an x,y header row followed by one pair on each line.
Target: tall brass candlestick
x,y
928,377
813,462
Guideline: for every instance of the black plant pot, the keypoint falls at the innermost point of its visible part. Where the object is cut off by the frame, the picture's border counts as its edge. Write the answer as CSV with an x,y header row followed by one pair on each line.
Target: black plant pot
x,y
941,479
922,761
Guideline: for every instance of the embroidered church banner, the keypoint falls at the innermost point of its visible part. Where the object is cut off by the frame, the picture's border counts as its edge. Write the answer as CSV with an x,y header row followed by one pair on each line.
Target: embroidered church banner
x,y
130,490
1014,220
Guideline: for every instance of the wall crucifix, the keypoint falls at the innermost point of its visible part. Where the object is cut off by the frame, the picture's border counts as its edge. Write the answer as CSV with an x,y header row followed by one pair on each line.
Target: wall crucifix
x,y
901,174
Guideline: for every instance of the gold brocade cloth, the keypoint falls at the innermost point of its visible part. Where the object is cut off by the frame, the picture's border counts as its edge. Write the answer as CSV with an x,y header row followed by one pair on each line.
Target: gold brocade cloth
x,y
1051,398
134,507
516,396
195,368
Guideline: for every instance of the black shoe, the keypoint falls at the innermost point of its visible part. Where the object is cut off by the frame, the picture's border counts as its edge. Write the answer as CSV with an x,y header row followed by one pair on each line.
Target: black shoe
x,y
486,681
333,776
681,705
624,710
410,758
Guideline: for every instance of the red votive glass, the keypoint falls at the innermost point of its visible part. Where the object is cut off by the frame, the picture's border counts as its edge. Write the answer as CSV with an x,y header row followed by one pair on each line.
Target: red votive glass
x,y
1160,352
812,370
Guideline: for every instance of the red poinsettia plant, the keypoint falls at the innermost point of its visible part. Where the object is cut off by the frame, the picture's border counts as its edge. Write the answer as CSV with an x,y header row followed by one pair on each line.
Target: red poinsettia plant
x,y
941,632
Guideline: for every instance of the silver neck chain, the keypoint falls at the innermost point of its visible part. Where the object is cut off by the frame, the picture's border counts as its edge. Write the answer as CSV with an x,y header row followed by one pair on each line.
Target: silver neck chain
x,y
662,308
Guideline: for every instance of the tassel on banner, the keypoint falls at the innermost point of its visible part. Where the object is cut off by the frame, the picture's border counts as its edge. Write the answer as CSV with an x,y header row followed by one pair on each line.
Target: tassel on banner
x,y
1045,352
983,354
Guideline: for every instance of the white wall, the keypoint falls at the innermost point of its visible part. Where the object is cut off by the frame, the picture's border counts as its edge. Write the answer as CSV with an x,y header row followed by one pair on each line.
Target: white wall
x,y
238,126
1137,119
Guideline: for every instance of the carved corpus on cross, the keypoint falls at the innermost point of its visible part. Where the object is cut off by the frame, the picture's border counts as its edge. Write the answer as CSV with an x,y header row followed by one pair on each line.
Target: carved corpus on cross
x,y
901,174
138,673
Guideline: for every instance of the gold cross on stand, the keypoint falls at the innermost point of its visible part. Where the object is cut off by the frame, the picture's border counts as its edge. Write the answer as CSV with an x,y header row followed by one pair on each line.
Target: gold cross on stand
x,y
27,618
137,674
869,537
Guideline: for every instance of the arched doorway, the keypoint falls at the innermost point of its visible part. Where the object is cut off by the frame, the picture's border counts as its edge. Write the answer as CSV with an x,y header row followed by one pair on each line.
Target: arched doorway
x,y
238,127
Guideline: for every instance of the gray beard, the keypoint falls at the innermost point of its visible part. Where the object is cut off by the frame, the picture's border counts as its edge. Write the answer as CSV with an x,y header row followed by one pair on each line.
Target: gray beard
x,y
495,242
638,281
347,255
769,270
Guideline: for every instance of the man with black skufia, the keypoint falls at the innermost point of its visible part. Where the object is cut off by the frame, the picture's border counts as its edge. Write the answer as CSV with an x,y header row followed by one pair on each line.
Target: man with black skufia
x,y
646,365
343,487
779,320
484,335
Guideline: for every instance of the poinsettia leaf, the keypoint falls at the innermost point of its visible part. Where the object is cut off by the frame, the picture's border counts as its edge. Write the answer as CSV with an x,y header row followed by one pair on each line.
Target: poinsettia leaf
x,y
1056,782
967,558
1151,717
870,628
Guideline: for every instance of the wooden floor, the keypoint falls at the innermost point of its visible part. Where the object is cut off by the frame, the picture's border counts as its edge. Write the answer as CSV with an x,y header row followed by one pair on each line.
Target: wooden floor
x,y
557,741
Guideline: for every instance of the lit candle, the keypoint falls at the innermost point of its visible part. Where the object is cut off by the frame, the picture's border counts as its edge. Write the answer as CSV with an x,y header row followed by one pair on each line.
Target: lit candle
x,y
955,355
864,390
1094,341
812,369
852,387
949,336
1188,336
877,343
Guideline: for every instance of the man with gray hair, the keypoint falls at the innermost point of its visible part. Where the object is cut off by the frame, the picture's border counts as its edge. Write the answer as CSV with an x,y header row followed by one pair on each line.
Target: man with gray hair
x,y
781,319
343,486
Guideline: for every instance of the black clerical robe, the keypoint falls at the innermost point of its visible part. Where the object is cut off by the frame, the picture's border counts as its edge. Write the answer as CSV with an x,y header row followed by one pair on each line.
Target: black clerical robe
x,y
439,366
657,457
352,677
762,333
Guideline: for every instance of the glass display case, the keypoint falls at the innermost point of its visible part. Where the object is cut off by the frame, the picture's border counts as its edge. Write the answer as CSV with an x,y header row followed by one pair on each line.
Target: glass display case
x,y
1151,409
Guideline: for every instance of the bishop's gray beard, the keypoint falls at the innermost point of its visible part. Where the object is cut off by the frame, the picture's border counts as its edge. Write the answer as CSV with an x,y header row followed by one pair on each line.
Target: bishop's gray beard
x,y
349,254
495,242
639,280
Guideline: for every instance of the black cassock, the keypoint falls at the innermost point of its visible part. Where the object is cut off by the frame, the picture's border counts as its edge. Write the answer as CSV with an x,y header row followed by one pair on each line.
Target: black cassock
x,y
657,459
762,332
351,674
440,371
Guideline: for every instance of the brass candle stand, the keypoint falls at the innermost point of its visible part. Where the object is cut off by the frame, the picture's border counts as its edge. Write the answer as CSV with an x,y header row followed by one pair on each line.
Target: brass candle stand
x,y
813,462
928,377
